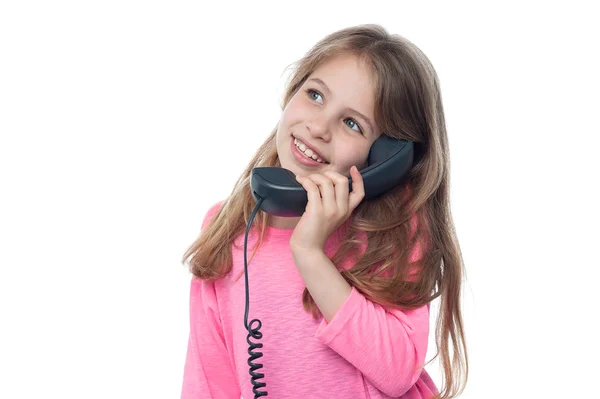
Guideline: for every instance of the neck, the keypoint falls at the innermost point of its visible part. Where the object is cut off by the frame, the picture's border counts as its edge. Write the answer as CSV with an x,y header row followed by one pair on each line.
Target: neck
x,y
283,223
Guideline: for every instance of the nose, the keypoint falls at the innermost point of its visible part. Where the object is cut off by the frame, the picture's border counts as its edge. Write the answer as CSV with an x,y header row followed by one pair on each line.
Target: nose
x,y
319,127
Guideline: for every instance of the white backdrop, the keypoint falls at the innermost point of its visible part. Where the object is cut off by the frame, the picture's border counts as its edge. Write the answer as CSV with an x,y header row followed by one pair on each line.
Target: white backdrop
x,y
122,121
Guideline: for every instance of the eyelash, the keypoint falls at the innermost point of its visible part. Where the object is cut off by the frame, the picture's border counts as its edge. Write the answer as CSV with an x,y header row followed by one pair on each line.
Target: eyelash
x,y
310,91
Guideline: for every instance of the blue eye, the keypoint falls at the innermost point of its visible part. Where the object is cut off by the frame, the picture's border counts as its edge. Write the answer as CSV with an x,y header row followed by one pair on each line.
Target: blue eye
x,y
355,124
313,93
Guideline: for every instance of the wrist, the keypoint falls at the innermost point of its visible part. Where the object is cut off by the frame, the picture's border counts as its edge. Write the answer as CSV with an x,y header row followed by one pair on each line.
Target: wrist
x,y
307,255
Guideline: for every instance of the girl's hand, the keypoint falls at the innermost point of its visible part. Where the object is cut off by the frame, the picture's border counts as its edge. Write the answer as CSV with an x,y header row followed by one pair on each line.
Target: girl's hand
x,y
329,205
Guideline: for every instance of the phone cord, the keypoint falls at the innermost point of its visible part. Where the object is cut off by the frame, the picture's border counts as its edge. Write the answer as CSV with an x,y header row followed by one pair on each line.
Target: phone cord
x,y
253,332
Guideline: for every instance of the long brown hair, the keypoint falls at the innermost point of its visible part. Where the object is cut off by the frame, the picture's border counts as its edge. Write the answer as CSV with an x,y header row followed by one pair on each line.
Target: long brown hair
x,y
408,105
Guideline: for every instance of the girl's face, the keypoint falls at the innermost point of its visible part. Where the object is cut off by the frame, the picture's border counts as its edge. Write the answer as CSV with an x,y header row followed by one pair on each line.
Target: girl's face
x,y
331,118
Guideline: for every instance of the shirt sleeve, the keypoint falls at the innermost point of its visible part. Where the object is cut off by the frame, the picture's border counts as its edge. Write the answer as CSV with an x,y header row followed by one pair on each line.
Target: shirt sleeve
x,y
388,346
208,372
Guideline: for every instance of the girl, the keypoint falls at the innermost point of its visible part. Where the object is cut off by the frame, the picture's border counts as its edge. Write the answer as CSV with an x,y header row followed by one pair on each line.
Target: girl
x,y
344,291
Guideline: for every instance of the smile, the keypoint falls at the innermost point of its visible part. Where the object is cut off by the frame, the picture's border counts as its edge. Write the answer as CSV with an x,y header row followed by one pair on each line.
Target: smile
x,y
308,152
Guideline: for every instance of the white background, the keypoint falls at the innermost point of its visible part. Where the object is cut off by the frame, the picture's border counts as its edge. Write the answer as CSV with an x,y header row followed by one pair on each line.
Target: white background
x,y
121,122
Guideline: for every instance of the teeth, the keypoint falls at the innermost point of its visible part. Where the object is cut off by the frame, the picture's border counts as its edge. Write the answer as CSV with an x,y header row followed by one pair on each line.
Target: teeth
x,y
307,151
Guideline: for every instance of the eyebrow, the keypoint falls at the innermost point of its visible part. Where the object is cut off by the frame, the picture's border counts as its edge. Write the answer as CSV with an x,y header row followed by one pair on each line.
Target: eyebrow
x,y
319,81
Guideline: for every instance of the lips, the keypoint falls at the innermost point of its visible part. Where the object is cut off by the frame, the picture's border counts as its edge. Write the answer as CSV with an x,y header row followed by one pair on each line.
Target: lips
x,y
308,146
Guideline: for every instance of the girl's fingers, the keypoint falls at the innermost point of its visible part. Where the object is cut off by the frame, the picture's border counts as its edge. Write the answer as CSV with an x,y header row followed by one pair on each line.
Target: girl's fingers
x,y
341,190
326,189
330,191
312,191
358,189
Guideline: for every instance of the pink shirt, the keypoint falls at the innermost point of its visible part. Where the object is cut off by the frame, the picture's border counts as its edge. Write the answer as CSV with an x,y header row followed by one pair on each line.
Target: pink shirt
x,y
366,351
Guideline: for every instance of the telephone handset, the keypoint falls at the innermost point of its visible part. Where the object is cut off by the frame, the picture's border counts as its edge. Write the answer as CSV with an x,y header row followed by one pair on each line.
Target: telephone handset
x,y
278,193
389,162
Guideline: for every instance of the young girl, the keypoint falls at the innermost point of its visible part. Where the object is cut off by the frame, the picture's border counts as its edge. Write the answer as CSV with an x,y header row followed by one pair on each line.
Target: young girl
x,y
343,292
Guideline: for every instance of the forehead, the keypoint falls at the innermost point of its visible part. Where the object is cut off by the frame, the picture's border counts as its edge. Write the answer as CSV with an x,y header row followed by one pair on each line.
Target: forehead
x,y
350,81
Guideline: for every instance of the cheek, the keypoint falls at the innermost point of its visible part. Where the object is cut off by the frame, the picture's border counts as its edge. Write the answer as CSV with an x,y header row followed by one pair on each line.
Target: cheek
x,y
353,154
280,137
283,126
294,111
285,122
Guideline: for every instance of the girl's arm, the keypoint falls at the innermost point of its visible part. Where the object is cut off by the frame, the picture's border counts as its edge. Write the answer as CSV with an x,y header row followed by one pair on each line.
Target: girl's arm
x,y
387,346
325,284
208,372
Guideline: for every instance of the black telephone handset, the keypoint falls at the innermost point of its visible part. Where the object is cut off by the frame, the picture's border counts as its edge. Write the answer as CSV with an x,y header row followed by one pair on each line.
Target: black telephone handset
x,y
389,162
277,192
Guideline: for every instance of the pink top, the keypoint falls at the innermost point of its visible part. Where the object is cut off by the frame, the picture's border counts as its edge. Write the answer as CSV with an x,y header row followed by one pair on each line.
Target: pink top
x,y
366,351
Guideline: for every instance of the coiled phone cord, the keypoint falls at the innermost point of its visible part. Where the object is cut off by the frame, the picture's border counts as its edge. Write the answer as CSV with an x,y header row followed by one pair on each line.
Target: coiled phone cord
x,y
253,332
